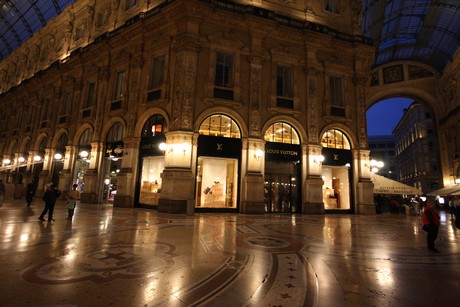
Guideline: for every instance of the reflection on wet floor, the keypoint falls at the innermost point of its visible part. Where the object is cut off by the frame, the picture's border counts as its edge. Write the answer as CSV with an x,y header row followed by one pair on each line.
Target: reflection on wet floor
x,y
135,257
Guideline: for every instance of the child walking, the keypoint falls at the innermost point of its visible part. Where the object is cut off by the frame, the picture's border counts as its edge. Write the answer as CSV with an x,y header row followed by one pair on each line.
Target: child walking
x,y
73,199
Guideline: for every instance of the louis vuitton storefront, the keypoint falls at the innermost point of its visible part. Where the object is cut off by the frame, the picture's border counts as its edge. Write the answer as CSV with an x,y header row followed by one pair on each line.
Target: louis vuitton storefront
x,y
337,172
218,164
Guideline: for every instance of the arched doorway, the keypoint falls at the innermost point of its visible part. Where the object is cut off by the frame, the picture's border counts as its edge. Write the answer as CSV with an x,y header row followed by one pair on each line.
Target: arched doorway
x,y
112,162
337,172
82,161
282,191
151,161
58,158
218,163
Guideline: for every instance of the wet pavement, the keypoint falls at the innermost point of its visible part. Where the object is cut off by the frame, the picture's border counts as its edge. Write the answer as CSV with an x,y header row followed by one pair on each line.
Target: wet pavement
x,y
136,257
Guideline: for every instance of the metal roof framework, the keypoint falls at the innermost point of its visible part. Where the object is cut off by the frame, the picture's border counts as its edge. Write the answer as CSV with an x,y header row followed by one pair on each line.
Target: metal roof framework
x,y
427,31
20,19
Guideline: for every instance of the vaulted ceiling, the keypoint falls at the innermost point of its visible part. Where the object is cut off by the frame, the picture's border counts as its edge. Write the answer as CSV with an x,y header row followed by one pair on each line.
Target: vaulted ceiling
x,y
427,31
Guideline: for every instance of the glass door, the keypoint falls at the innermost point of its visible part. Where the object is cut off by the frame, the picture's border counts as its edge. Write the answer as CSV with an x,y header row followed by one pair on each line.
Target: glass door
x,y
281,188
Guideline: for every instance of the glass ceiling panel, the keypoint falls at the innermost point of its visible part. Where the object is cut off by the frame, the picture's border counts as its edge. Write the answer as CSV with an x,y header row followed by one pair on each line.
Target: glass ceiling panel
x,y
420,30
19,19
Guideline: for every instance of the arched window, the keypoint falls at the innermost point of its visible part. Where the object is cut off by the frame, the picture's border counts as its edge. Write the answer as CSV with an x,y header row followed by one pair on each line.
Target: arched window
x,y
42,147
335,139
115,133
153,126
281,132
220,125
62,142
85,138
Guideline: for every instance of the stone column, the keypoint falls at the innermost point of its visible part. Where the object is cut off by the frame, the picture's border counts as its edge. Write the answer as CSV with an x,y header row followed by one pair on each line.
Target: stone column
x,y
65,176
93,177
252,189
127,177
365,187
313,185
178,179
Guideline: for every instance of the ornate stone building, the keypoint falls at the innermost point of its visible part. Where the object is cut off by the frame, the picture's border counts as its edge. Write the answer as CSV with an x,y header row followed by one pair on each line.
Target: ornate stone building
x,y
183,106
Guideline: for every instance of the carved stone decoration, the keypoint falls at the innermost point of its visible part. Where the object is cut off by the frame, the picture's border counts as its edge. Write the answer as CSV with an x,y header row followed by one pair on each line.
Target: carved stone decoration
x,y
178,93
254,115
189,86
312,106
133,95
362,117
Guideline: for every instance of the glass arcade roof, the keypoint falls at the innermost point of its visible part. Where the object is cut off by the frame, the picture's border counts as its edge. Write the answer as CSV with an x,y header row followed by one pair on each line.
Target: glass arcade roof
x,y
427,31
20,19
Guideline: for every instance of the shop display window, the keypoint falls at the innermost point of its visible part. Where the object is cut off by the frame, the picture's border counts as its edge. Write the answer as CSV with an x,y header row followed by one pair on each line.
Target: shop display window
x,y
216,182
151,180
336,188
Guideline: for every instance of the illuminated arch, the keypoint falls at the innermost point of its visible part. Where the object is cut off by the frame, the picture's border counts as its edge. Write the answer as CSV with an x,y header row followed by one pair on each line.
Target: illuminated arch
x,y
334,138
220,125
282,132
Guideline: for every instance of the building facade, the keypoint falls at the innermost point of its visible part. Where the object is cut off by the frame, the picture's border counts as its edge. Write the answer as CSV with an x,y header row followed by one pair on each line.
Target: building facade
x,y
382,148
184,106
417,149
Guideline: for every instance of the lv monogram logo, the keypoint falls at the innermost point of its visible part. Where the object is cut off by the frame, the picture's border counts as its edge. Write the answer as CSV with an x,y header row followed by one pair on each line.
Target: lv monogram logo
x,y
220,146
336,157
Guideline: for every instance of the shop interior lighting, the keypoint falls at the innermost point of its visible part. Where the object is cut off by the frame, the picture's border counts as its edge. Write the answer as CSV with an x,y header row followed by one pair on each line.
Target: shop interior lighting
x,y
6,161
37,158
58,156
21,159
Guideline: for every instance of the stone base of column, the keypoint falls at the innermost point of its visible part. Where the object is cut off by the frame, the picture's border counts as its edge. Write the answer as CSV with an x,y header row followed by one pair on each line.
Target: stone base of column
x,y
365,191
253,194
313,196
177,189
90,198
252,207
123,201
172,206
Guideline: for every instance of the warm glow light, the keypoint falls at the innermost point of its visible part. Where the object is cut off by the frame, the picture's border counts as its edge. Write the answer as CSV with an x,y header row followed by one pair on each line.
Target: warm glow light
x,y
58,156
21,159
6,161
37,158
84,154
163,146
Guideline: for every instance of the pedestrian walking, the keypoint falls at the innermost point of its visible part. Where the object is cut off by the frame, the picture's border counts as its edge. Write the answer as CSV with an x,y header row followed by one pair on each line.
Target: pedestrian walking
x,y
431,223
31,189
2,192
50,197
73,199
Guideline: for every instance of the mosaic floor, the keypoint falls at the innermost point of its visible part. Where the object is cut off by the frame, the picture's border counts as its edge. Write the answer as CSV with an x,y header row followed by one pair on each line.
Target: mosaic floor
x,y
135,257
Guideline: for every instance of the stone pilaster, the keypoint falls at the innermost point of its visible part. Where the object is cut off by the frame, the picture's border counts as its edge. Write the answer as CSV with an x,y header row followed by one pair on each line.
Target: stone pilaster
x,y
126,178
313,185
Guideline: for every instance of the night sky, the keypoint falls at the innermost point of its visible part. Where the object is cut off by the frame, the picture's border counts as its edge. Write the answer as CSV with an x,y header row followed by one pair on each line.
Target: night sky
x,y
383,117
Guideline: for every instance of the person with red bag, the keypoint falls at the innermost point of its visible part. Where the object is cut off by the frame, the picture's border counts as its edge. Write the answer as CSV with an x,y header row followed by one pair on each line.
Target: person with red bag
x,y
431,221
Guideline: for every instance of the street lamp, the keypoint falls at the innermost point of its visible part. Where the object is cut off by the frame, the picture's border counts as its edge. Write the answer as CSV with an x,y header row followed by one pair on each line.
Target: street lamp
x,y
375,165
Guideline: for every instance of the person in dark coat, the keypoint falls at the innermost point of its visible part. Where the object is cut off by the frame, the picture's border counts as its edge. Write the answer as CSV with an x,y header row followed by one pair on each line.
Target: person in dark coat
x,y
431,222
50,197
30,192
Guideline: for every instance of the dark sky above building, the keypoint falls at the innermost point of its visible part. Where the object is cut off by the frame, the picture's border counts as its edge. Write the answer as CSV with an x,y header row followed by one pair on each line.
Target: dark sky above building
x,y
383,117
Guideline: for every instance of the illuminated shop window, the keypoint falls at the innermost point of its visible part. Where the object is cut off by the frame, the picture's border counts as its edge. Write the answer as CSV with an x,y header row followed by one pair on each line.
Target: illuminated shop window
x,y
220,125
335,139
282,133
